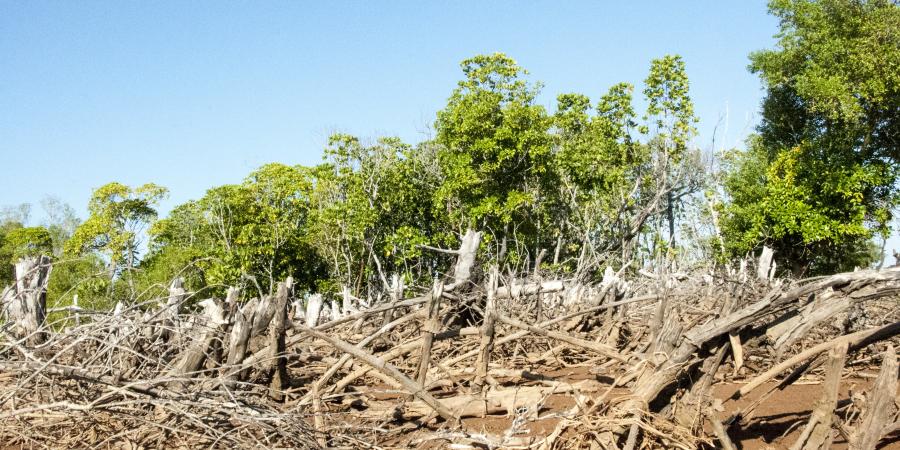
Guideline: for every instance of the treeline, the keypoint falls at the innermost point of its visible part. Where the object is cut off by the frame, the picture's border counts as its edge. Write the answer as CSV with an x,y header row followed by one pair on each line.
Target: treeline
x,y
591,184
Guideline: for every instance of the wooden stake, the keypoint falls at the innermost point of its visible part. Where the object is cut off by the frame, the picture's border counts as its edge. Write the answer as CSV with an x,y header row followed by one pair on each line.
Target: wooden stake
x,y
432,326
278,363
487,333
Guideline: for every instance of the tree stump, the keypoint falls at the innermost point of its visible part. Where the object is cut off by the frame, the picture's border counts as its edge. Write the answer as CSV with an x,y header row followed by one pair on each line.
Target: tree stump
x,y
25,302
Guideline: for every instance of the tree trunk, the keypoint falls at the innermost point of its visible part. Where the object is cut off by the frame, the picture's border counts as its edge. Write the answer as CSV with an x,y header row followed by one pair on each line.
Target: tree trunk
x,y
25,302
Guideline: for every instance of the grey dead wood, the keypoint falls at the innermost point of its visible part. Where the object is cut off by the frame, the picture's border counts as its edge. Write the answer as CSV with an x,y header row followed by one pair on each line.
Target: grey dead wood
x,y
487,333
880,406
817,434
432,327
277,366
201,334
388,370
24,303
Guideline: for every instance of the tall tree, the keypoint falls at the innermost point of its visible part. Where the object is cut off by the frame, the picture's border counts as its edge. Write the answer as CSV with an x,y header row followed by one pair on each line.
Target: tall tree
x,y
600,168
495,150
670,112
821,178
119,215
253,229
373,210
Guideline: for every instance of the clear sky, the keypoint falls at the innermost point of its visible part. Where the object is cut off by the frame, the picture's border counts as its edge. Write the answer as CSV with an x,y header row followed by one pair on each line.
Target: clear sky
x,y
195,94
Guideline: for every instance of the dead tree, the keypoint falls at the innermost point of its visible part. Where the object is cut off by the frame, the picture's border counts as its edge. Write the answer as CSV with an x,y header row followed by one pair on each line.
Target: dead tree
x,y
278,363
24,303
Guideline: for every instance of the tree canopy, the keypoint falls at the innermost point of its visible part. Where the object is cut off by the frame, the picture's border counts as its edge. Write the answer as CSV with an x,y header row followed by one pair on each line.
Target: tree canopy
x,y
576,189
821,177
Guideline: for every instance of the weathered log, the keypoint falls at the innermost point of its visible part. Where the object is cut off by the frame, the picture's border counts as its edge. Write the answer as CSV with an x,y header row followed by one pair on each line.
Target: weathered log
x,y
432,326
465,260
774,302
855,340
25,302
203,331
596,347
795,324
397,288
880,405
313,309
387,369
765,266
170,327
239,338
487,333
817,433
320,383
262,315
278,362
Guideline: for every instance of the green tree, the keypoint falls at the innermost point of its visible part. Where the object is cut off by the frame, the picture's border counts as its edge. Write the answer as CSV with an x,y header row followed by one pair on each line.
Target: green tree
x,y
670,112
373,211
7,251
495,150
821,178
21,242
599,165
256,229
119,215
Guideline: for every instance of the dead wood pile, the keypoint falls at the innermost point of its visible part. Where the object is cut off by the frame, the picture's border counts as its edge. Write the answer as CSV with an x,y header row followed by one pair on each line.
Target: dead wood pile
x,y
276,371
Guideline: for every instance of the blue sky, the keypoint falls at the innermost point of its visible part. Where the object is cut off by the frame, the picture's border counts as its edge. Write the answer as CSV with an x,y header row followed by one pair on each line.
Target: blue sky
x,y
195,94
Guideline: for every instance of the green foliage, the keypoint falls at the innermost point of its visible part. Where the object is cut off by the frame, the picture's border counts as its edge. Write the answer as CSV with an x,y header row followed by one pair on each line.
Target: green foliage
x,y
373,210
118,214
597,152
821,178
86,277
820,227
253,229
495,150
598,163
669,105
24,242
7,274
